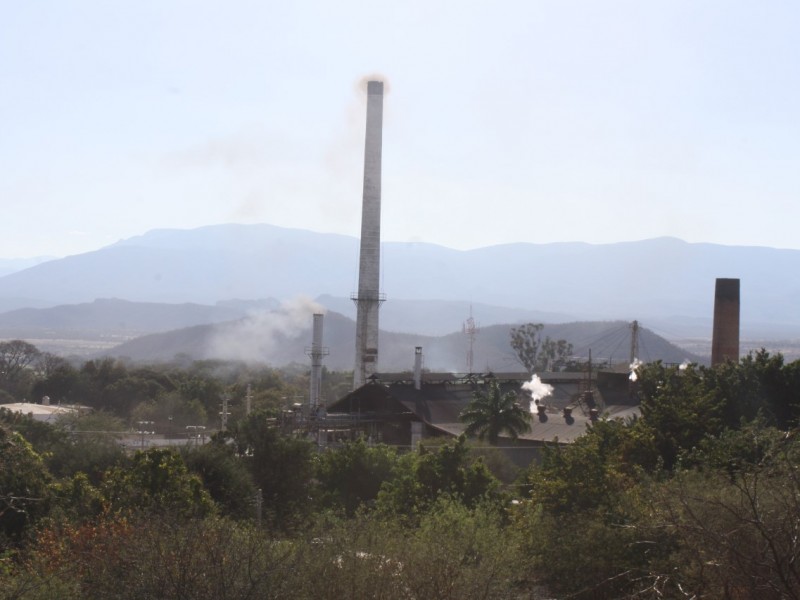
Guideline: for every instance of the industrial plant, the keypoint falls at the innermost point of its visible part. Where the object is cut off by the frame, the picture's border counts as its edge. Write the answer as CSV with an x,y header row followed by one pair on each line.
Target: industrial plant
x,y
402,409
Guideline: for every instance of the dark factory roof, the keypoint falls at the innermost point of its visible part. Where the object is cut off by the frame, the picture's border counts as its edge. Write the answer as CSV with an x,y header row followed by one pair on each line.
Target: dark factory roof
x,y
442,397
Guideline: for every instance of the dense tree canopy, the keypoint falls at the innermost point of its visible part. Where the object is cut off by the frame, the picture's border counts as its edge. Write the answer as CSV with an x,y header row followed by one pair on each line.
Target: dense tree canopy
x,y
281,467
24,485
351,476
696,497
17,359
420,478
156,480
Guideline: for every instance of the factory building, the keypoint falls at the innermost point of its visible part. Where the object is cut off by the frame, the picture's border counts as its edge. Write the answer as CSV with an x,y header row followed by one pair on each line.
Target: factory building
x,y
403,409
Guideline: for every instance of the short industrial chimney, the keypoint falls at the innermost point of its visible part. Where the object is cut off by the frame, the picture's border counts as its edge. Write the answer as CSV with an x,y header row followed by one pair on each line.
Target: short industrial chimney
x,y
368,299
725,338
418,368
316,352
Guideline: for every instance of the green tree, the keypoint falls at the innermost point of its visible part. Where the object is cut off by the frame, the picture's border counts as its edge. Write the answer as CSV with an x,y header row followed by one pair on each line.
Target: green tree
x,y
58,381
525,340
205,389
491,412
684,405
760,384
352,475
17,359
45,438
225,476
553,354
94,377
90,445
679,408
281,466
125,393
535,353
48,363
76,499
589,473
156,480
420,477
585,508
24,485
80,442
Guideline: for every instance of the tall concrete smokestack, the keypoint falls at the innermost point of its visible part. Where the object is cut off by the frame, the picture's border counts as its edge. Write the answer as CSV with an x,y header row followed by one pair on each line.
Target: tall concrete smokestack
x,y
369,298
316,352
725,340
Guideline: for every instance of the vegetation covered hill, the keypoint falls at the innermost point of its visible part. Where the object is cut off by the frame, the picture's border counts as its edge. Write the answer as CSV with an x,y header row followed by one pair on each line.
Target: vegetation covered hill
x,y
277,338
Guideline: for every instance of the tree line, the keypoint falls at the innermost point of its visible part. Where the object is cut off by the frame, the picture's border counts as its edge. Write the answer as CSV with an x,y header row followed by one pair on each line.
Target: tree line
x,y
697,497
172,395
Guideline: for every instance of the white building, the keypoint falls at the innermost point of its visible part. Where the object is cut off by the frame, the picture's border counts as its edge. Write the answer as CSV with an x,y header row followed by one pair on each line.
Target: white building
x,y
41,412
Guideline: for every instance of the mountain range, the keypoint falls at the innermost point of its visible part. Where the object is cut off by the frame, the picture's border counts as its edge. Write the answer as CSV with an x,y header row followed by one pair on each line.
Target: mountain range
x,y
174,279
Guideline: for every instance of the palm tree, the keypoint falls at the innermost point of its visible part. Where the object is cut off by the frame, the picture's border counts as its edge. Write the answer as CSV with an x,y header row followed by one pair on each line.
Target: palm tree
x,y
490,412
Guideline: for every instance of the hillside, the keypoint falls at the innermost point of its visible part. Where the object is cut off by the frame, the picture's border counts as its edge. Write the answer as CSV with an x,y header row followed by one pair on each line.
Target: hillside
x,y
282,337
112,316
122,317
11,265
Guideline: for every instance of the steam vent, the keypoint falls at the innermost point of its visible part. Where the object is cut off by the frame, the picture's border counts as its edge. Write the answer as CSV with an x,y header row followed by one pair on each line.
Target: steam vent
x,y
369,298
725,340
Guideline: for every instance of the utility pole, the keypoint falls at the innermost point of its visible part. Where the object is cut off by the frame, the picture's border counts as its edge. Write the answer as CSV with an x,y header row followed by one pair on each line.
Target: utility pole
x,y
224,414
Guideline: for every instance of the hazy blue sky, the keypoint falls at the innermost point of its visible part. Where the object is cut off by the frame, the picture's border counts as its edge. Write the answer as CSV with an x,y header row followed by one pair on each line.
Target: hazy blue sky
x,y
536,121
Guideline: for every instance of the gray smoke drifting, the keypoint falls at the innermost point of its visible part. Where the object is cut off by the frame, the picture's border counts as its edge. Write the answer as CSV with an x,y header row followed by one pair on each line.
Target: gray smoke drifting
x,y
259,336
244,149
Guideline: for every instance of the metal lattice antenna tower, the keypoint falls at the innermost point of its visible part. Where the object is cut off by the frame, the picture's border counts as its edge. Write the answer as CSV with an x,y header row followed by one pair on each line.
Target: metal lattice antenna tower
x,y
471,329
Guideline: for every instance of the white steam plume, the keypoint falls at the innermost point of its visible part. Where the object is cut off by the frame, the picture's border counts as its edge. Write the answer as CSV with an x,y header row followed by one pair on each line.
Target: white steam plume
x,y
538,390
634,365
258,337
